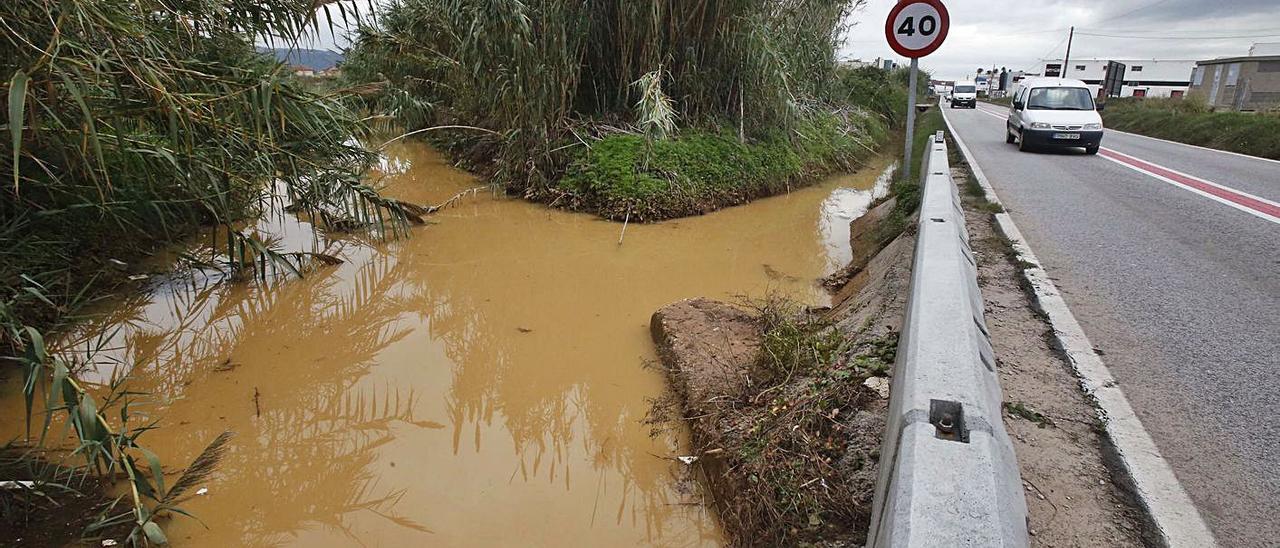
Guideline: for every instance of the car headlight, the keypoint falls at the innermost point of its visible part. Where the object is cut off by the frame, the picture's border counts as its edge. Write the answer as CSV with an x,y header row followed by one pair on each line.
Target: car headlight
x,y
1093,126
1040,125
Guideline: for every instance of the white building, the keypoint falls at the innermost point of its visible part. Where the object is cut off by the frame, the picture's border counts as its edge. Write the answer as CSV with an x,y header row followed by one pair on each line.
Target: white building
x,y
1142,77
886,64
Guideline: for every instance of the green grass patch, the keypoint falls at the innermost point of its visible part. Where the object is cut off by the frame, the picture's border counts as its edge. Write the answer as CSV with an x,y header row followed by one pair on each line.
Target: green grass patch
x,y
907,186
699,170
1190,121
1026,412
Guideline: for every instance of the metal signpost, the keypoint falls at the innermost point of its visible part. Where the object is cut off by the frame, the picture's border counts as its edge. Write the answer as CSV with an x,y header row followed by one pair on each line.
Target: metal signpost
x,y
915,28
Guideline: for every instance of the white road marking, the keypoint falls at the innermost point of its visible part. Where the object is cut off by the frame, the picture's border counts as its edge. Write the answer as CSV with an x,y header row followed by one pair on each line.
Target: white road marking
x,y
1228,152
1001,116
1259,207
1157,489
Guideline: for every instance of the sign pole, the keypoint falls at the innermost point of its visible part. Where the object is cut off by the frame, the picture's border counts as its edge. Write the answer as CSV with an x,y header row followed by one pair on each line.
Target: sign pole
x,y
914,29
911,116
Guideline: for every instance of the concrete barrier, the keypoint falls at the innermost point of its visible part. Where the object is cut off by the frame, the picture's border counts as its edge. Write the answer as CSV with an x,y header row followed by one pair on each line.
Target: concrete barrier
x,y
948,474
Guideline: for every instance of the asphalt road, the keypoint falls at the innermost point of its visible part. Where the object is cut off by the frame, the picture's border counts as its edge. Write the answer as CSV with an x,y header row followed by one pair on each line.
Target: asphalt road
x,y
1180,291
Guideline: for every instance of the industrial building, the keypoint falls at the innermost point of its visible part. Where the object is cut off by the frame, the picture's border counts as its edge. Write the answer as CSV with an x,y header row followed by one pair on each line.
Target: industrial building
x,y
1142,77
1239,83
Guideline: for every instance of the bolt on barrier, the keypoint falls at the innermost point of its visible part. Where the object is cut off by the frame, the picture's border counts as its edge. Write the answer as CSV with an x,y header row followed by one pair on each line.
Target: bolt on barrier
x,y
948,474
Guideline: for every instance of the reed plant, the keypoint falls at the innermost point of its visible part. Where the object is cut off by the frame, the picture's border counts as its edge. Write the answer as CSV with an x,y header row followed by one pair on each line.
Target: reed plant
x,y
129,124
548,76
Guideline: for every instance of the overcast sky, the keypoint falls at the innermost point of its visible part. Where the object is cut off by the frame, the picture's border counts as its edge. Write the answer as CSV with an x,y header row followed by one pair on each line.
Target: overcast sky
x,y
1017,33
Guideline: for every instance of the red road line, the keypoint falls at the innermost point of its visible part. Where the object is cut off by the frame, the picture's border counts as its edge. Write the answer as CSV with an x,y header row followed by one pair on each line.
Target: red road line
x,y
1219,191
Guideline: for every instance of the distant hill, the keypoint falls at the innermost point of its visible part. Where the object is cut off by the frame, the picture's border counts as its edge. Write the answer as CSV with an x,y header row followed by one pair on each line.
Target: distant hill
x,y
317,59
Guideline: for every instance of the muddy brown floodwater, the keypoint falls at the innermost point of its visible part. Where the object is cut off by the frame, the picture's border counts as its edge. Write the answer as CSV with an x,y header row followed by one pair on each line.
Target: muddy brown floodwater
x,y
481,383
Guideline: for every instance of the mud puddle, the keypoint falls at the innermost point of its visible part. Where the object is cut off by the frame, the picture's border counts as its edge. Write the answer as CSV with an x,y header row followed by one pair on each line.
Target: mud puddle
x,y
480,383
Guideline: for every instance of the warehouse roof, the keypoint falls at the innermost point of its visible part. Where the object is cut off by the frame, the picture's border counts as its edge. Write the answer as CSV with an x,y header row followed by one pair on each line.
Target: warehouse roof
x,y
1255,58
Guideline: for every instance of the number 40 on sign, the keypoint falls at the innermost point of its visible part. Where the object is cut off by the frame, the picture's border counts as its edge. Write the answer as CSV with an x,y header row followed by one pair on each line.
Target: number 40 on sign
x,y
914,29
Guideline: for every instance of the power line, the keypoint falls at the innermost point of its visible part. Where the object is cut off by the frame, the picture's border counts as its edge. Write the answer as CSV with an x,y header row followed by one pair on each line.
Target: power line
x,y
1133,37
1032,32
1052,49
1188,32
1132,11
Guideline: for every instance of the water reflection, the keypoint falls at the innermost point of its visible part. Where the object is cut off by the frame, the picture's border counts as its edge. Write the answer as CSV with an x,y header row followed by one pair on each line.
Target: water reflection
x,y
842,206
478,384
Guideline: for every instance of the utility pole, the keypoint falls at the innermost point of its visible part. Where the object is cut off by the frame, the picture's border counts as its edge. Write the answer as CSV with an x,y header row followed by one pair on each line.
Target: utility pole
x,y
1067,62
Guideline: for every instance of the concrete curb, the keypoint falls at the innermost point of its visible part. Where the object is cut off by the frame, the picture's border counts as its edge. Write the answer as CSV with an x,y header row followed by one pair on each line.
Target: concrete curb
x,y
948,474
1169,511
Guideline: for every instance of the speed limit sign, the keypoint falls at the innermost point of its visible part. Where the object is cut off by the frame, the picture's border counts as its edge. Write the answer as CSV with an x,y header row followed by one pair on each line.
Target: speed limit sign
x,y
916,28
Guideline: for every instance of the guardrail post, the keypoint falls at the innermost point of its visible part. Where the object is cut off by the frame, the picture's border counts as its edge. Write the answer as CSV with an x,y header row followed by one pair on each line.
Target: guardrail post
x,y
948,474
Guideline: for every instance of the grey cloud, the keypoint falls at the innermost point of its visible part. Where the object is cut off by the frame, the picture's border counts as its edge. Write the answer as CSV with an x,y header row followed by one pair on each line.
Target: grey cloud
x,y
1012,32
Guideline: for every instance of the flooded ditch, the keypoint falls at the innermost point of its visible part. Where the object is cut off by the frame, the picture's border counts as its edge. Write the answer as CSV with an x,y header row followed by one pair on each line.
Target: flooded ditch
x,y
480,383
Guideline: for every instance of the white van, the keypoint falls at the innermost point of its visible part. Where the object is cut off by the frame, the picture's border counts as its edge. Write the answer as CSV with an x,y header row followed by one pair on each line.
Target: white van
x,y
964,94
1054,112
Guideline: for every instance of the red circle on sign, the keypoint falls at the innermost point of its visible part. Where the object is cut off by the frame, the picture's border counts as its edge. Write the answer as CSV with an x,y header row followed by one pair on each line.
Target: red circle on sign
x,y
943,26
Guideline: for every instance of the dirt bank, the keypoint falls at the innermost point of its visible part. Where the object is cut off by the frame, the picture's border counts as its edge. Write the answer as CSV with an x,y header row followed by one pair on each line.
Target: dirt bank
x,y
787,405
779,478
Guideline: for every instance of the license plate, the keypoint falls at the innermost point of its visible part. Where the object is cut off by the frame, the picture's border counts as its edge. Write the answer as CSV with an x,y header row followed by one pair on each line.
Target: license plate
x,y
1066,135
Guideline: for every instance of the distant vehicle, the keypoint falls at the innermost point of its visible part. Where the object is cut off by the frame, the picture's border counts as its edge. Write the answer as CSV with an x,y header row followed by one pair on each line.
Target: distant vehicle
x,y
1054,112
964,96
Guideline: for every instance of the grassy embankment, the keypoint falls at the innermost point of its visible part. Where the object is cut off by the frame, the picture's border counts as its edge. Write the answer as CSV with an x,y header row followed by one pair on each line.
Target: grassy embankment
x,y
624,174
1191,121
130,125
906,188
645,110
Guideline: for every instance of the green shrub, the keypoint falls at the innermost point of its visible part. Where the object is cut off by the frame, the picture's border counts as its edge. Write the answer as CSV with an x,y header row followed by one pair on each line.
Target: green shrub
x,y
1191,121
627,175
906,187
130,129
128,124
532,72
876,90
724,91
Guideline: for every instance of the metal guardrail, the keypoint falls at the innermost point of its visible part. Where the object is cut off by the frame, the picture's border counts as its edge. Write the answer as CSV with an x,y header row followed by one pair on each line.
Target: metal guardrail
x,y
948,474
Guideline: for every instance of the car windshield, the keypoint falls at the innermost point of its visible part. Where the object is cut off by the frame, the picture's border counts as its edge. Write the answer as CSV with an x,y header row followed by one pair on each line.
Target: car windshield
x,y
1060,99
964,89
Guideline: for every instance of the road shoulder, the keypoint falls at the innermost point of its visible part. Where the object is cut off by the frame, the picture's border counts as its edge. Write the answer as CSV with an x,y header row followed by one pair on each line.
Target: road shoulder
x,y
1071,499
1168,516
